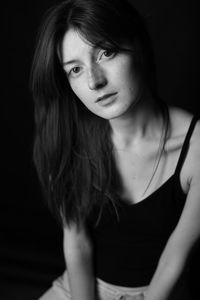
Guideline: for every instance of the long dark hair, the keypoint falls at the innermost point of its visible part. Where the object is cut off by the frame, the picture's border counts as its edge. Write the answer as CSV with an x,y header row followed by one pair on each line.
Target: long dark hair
x,y
72,148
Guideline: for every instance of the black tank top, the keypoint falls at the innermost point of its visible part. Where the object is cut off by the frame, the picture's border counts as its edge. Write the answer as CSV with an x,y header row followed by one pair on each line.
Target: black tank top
x,y
127,249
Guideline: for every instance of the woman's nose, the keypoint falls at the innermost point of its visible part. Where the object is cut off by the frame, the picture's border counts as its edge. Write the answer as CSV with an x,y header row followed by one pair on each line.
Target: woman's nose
x,y
96,78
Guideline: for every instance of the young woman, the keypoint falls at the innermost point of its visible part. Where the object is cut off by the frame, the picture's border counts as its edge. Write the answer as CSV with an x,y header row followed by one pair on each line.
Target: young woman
x,y
117,165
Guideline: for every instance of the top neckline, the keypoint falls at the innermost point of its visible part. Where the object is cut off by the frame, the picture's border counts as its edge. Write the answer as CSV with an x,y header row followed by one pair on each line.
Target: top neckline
x,y
144,200
175,175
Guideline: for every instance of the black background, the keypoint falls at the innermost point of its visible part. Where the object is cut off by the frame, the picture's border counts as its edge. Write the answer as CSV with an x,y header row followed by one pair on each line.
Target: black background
x,y
31,241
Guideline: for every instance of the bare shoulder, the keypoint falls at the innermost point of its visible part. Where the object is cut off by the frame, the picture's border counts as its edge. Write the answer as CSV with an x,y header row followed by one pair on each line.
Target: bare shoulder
x,y
194,155
180,121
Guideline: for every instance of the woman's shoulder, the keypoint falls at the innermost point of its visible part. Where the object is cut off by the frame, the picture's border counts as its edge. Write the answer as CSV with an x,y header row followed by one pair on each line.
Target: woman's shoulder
x,y
180,120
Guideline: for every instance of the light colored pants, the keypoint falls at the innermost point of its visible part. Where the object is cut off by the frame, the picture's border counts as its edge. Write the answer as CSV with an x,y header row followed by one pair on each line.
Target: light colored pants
x,y
60,291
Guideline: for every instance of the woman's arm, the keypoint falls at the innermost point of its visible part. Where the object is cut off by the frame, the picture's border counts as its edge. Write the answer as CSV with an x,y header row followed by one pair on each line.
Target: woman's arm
x,y
78,255
167,278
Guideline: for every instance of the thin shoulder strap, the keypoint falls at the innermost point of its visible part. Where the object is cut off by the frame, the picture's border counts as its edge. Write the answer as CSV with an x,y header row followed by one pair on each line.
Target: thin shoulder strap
x,y
186,144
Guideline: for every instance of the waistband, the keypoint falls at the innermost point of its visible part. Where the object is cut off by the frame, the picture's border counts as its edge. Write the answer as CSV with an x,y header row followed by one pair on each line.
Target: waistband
x,y
110,291
105,290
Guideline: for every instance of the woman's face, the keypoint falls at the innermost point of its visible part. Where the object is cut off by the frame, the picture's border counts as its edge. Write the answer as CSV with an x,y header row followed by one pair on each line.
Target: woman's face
x,y
105,81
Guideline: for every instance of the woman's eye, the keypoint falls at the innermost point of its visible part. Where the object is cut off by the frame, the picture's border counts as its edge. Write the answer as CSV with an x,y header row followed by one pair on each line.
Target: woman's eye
x,y
106,54
75,70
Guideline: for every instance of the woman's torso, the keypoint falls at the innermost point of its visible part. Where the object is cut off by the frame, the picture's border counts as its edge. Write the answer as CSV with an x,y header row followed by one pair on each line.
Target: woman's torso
x,y
127,249
136,165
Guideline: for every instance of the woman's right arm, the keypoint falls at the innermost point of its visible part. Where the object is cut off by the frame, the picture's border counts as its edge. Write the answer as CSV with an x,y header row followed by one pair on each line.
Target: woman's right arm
x,y
78,256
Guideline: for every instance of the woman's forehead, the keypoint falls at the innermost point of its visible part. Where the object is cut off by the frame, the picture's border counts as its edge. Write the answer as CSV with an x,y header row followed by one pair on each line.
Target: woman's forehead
x,y
75,45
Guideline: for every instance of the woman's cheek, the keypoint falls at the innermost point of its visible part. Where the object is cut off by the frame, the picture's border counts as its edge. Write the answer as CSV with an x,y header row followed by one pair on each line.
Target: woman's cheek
x,y
75,89
79,91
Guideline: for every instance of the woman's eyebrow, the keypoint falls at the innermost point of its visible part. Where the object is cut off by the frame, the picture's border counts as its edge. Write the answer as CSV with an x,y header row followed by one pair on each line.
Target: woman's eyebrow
x,y
92,52
70,62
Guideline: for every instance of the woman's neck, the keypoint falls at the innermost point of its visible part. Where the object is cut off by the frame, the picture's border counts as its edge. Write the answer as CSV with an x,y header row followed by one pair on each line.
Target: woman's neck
x,y
142,121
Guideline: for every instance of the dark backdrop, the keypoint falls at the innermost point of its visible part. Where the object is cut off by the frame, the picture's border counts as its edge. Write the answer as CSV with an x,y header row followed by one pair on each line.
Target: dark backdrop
x,y
31,241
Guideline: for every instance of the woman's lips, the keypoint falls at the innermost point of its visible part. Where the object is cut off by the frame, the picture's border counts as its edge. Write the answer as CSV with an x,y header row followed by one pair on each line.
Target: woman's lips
x,y
105,98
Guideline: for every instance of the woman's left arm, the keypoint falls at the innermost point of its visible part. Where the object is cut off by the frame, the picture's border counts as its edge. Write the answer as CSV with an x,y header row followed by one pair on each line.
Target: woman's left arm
x,y
182,241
